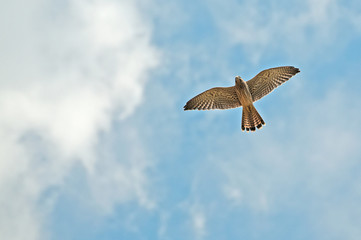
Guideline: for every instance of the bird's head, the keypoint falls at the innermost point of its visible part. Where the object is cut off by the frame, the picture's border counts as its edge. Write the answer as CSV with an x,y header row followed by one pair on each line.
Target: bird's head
x,y
238,80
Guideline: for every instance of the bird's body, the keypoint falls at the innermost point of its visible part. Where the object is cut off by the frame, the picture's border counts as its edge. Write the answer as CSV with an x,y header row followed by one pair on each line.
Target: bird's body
x,y
250,117
243,94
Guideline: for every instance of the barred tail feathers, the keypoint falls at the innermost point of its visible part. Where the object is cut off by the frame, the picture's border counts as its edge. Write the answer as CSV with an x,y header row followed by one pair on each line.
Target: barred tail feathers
x,y
251,119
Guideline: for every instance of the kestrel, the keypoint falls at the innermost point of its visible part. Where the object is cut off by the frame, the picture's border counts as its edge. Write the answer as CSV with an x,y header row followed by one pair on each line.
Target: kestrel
x,y
243,94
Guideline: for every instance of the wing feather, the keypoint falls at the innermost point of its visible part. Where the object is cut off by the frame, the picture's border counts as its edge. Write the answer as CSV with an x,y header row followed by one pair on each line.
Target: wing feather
x,y
267,80
214,98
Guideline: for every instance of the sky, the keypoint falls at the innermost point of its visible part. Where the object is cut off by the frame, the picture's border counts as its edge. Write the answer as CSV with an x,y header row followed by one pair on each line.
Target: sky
x,y
94,142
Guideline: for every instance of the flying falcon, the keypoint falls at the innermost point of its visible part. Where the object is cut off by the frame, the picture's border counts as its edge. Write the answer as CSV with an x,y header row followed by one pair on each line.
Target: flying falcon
x,y
243,94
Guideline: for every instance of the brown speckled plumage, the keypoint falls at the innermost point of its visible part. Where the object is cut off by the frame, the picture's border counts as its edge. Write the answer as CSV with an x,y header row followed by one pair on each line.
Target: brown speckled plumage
x,y
243,94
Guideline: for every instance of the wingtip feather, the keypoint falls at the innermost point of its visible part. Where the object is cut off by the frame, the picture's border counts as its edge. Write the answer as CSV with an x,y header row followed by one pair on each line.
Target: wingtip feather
x,y
297,70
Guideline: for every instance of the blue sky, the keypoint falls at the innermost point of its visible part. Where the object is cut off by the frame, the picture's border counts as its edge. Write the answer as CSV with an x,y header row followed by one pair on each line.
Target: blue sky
x,y
95,143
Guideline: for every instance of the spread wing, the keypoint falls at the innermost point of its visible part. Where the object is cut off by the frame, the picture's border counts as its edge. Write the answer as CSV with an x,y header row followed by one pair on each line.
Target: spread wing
x,y
266,81
214,98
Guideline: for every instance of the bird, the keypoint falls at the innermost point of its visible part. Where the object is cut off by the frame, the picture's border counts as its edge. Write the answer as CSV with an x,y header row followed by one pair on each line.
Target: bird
x,y
243,94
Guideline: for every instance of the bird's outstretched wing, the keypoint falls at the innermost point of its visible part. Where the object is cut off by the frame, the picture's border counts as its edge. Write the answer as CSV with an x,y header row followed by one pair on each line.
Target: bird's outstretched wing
x,y
214,98
267,80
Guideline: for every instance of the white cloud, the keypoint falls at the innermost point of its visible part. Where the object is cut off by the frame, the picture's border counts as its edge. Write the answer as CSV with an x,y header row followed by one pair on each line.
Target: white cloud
x,y
199,224
67,70
198,220
303,29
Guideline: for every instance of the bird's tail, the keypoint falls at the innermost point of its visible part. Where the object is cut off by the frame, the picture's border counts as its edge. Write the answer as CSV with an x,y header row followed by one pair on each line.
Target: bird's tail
x,y
251,119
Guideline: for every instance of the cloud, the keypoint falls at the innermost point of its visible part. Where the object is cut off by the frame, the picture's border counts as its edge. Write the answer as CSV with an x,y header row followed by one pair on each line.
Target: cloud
x,y
302,30
68,71
198,221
